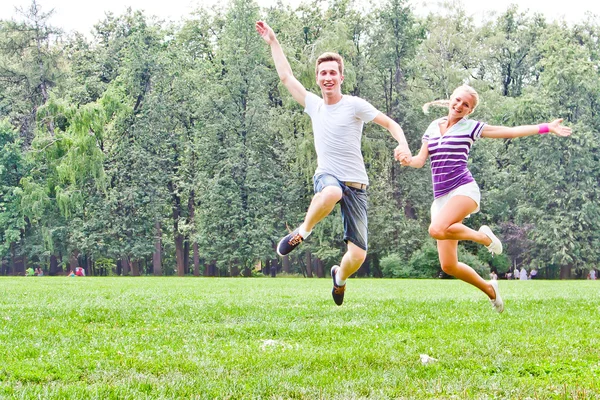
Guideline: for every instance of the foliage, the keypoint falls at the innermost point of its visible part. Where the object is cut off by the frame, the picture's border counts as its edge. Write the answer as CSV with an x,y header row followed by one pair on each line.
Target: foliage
x,y
12,168
148,140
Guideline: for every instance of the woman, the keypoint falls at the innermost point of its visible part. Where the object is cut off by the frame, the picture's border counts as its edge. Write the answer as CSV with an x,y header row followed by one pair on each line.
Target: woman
x,y
448,141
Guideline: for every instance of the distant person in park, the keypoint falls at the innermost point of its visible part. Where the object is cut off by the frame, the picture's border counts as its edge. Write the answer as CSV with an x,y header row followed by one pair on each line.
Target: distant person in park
x,y
341,177
29,272
39,272
493,276
523,274
533,273
448,141
79,271
592,274
71,273
273,270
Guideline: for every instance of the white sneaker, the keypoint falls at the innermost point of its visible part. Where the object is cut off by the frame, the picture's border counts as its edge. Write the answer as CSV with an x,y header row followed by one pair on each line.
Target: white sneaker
x,y
496,246
497,303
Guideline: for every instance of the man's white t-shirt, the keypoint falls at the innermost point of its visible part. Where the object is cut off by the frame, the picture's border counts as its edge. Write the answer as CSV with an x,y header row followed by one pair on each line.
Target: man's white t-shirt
x,y
338,130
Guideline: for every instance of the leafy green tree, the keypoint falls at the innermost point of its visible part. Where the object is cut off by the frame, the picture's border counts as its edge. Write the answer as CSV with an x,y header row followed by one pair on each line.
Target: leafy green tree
x,y
510,50
12,168
29,67
243,194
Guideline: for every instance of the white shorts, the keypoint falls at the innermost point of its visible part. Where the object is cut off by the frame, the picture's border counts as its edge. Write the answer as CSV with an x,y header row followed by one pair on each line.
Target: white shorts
x,y
470,190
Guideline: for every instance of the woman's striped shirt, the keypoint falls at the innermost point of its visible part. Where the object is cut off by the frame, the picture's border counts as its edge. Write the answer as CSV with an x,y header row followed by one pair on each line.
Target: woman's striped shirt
x,y
449,153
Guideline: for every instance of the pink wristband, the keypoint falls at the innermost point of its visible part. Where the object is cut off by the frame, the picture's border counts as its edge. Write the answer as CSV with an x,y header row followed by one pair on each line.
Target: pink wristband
x,y
543,129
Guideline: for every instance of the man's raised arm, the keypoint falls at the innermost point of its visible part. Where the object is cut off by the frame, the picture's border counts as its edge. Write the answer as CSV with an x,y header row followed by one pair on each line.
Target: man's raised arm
x,y
282,65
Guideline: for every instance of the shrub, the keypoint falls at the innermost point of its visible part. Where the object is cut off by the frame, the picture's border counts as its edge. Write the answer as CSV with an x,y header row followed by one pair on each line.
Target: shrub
x,y
425,262
395,266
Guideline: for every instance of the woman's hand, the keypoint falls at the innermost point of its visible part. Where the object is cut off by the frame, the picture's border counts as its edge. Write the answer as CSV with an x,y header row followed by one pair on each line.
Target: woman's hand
x,y
558,129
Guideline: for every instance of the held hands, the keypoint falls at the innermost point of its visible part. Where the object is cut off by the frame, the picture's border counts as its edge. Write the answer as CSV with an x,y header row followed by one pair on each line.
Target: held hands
x,y
403,155
558,129
265,32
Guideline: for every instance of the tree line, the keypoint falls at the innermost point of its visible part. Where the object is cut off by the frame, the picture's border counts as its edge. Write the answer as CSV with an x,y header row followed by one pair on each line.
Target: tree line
x,y
163,148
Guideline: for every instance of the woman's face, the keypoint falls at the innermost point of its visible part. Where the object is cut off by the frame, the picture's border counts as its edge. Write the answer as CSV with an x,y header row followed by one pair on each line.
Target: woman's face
x,y
461,104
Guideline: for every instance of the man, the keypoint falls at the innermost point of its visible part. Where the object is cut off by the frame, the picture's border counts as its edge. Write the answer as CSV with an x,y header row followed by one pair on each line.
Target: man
x,y
341,177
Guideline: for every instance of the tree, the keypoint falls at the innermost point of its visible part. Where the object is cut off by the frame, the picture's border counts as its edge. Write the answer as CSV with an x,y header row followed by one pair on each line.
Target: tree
x,y
12,168
29,67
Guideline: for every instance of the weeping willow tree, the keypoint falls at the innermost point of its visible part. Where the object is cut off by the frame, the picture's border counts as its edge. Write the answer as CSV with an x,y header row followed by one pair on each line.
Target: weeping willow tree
x,y
70,169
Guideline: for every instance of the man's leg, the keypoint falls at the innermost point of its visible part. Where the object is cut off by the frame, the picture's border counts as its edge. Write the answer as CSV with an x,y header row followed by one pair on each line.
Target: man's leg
x,y
321,205
354,216
351,262
328,193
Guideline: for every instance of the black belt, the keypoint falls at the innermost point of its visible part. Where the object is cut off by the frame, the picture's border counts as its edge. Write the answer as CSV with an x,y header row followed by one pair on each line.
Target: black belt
x,y
356,185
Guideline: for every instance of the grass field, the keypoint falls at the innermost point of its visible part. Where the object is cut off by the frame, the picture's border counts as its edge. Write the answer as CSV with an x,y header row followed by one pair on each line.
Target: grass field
x,y
205,338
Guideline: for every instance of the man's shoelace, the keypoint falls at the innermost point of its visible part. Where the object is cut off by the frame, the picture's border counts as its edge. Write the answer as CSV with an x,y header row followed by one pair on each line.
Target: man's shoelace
x,y
339,289
296,239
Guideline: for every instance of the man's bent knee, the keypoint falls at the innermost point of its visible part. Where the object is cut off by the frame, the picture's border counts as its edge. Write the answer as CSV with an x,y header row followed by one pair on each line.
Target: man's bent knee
x,y
357,254
330,194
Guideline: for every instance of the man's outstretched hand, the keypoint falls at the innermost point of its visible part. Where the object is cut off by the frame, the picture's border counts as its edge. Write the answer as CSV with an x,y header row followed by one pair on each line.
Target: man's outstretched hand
x,y
265,32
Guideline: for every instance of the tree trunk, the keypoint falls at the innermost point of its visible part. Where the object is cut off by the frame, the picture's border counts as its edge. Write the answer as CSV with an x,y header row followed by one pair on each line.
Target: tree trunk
x,y
73,260
89,266
53,265
234,270
17,263
186,256
178,237
375,266
179,254
125,265
273,267
196,260
212,268
286,264
157,256
319,267
20,265
11,261
309,273
135,268
190,221
565,271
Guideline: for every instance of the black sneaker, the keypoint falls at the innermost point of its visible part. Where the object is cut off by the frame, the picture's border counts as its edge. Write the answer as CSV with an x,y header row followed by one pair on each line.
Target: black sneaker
x,y
289,243
338,291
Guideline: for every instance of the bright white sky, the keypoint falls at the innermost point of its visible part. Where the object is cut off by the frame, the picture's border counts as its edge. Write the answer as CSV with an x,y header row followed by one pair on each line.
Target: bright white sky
x,y
81,15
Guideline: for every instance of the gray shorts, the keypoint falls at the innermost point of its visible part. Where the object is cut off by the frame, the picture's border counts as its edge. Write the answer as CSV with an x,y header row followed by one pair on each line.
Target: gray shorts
x,y
354,209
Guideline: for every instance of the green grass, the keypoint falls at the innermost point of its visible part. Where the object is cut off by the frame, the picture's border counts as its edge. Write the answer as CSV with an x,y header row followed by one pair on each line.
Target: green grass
x,y
132,338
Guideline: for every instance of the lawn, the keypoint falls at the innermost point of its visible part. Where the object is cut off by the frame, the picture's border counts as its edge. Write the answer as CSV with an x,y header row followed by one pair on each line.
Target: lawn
x,y
265,338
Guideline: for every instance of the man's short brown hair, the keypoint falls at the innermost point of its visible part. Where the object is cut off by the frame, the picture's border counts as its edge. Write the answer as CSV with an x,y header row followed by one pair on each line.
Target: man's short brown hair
x,y
330,57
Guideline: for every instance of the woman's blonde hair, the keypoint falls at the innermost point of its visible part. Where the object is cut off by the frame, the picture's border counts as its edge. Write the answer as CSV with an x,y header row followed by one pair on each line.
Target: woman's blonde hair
x,y
445,103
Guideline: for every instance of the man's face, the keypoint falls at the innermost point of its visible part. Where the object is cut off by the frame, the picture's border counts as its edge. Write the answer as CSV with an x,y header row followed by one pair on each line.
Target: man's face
x,y
329,78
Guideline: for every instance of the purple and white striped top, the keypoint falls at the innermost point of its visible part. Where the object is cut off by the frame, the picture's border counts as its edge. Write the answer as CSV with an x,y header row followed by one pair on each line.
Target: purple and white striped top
x,y
449,153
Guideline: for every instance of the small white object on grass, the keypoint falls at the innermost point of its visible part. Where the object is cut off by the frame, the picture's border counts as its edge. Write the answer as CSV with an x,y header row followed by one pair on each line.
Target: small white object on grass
x,y
425,359
270,343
